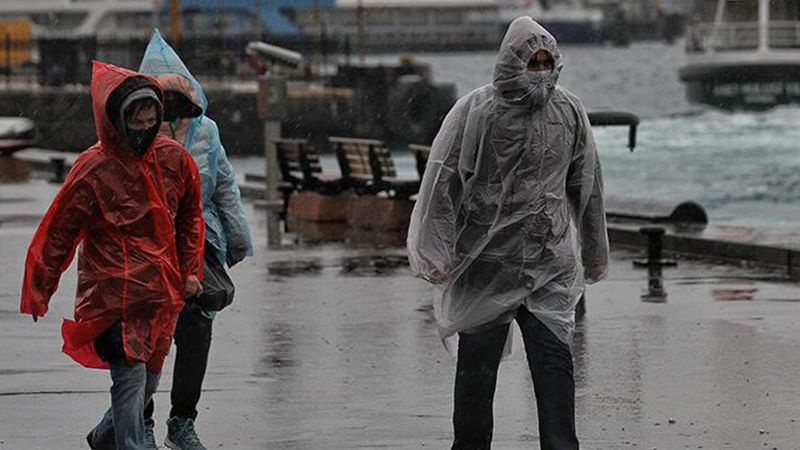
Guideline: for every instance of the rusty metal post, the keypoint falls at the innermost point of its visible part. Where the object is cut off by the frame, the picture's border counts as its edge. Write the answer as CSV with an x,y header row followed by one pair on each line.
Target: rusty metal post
x,y
175,21
7,45
360,37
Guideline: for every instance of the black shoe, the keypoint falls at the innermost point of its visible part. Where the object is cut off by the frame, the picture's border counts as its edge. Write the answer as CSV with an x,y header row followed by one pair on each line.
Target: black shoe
x,y
90,439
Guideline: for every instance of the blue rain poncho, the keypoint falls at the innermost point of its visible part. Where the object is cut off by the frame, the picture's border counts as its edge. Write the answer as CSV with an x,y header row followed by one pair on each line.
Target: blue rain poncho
x,y
510,211
227,231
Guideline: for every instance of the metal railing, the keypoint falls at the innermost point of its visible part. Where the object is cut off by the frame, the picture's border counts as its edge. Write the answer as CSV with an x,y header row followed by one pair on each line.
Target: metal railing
x,y
784,34
704,37
61,60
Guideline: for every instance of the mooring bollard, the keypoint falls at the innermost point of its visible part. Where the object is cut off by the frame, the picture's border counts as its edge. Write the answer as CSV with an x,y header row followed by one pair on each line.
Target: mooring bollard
x,y
59,165
655,281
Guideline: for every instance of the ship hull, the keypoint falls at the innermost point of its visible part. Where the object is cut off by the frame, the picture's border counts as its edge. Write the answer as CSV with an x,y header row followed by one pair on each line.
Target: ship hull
x,y
567,32
745,86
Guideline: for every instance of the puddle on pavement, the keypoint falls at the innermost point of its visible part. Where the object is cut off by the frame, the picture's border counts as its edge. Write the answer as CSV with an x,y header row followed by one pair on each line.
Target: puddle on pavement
x,y
4,372
295,267
785,300
280,354
372,265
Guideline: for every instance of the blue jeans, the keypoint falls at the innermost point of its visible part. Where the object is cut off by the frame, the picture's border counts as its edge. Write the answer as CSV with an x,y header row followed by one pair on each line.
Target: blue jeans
x,y
122,426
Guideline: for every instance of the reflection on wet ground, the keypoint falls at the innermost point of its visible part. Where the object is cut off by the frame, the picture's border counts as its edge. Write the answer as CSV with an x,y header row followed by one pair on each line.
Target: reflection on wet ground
x,y
360,265
294,267
373,264
335,347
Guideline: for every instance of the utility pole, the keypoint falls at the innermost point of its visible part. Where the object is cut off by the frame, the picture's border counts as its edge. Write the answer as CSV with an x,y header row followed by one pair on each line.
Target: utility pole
x,y
257,17
360,19
317,57
175,12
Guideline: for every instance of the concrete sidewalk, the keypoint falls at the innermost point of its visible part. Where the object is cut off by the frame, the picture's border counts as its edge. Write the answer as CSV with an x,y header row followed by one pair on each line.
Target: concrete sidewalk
x,y
330,347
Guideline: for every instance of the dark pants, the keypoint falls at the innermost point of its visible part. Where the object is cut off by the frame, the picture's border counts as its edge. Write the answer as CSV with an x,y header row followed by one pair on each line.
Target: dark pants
x,y
192,342
550,362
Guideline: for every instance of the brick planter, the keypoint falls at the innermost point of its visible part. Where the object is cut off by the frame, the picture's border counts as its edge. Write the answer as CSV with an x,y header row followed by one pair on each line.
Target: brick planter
x,y
376,213
313,207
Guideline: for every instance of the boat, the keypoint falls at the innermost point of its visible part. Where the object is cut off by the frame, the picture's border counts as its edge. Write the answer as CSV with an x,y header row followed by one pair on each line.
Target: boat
x,y
743,55
69,18
569,21
99,18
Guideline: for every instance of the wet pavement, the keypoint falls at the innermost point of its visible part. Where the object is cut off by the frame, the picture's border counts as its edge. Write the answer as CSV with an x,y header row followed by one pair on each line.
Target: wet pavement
x,y
334,347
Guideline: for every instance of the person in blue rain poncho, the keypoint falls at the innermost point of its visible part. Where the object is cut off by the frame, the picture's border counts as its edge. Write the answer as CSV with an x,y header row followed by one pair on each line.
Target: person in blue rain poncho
x,y
227,233
509,225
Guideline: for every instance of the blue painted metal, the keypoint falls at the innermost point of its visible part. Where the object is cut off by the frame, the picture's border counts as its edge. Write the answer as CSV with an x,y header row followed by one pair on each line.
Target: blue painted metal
x,y
272,18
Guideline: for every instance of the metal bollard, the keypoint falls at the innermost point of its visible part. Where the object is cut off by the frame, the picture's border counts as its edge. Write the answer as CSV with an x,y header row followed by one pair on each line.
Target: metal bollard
x,y
654,263
654,248
59,169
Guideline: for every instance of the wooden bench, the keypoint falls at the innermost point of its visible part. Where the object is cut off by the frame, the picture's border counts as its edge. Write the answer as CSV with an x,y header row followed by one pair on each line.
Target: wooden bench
x,y
300,168
289,154
353,157
367,166
302,180
421,154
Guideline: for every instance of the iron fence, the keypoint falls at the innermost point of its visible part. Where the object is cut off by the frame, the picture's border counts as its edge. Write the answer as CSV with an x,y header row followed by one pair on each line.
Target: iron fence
x,y
56,61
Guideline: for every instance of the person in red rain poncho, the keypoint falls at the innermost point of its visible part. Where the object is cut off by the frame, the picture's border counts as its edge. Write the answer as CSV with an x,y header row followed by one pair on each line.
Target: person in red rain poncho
x,y
134,202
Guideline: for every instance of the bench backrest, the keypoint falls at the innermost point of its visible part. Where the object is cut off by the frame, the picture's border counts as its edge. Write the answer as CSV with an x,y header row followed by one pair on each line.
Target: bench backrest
x,y
297,159
421,154
289,154
354,157
382,163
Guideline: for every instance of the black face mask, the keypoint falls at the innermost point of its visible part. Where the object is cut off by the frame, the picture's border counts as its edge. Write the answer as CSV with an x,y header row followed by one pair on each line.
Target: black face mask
x,y
141,140
178,106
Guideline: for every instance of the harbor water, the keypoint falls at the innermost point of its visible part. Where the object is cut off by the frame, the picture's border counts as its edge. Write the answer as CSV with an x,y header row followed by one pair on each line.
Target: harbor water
x,y
744,167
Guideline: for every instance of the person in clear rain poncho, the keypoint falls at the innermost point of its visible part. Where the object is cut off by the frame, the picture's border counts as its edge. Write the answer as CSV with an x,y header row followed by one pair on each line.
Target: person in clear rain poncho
x,y
227,233
509,225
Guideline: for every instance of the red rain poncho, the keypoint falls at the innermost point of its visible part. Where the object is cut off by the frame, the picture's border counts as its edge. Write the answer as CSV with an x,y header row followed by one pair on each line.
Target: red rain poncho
x,y
140,220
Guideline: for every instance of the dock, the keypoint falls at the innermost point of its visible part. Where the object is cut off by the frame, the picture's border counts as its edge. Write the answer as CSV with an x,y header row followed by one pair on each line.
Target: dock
x,y
332,346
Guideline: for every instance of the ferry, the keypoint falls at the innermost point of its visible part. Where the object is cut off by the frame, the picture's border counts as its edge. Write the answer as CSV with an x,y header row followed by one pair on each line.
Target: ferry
x,y
743,55
569,21
122,18
76,18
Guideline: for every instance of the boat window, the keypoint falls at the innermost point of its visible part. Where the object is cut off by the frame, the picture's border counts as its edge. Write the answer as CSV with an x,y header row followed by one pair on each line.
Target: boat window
x,y
788,10
740,11
784,26
58,21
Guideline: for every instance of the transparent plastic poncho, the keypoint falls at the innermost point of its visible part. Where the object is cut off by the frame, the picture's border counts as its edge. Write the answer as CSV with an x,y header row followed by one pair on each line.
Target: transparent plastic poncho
x,y
510,211
227,231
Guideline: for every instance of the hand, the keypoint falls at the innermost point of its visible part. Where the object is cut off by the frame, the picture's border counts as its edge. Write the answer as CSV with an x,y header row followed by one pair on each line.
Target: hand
x,y
235,259
592,273
436,276
193,287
